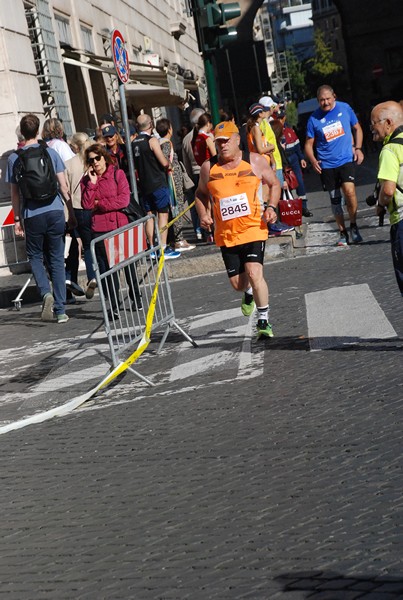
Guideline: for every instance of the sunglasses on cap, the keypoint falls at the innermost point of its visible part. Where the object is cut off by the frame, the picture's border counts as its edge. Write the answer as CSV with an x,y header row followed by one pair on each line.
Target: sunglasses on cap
x,y
92,159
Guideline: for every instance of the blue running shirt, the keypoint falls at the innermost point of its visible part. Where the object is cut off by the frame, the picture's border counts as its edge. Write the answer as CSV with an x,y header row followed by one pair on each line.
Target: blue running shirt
x,y
332,133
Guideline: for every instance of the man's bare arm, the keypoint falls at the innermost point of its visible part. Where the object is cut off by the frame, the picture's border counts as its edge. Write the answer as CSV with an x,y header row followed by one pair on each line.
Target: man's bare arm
x,y
358,139
311,155
263,170
203,197
386,193
16,204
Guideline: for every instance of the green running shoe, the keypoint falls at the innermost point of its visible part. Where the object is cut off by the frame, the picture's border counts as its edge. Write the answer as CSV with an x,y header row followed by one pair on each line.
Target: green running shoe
x,y
247,308
264,329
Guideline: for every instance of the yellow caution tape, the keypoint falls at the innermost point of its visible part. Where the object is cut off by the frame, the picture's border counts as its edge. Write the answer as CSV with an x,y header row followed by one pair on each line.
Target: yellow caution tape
x,y
177,217
145,340
120,368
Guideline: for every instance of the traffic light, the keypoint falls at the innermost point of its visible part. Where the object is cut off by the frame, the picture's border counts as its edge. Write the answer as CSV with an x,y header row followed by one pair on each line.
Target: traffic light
x,y
210,17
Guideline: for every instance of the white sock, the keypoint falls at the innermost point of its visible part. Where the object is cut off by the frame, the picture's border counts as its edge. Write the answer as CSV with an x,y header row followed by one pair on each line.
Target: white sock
x,y
263,313
249,291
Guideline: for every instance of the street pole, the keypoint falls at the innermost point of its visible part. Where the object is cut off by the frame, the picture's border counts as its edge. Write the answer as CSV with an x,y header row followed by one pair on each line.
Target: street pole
x,y
128,143
232,87
211,87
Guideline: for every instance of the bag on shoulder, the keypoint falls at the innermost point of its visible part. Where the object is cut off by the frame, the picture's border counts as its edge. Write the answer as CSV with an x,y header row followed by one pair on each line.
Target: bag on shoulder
x,y
290,209
35,175
133,210
186,180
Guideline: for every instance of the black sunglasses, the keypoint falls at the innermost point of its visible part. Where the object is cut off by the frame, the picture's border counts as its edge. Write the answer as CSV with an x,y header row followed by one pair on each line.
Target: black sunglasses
x,y
92,159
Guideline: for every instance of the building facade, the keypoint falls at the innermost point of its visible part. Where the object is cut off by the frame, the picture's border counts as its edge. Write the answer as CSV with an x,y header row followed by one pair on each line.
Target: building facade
x,y
56,61
284,25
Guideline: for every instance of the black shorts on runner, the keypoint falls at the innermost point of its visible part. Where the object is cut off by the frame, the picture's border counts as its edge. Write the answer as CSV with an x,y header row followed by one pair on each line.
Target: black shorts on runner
x,y
235,257
333,178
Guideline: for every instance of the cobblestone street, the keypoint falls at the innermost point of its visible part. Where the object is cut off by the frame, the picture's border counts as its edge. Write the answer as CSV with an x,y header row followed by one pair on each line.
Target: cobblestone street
x,y
285,486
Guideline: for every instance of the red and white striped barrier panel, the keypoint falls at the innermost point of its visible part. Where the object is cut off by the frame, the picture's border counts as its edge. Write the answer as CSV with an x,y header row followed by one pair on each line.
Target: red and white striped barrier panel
x,y
6,216
123,245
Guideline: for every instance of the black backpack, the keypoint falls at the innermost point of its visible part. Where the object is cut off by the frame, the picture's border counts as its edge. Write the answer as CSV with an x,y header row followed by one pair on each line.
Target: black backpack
x,y
35,175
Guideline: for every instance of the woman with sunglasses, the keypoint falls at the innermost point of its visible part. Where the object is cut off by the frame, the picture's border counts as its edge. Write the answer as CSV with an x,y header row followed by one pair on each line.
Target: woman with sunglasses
x,y
105,191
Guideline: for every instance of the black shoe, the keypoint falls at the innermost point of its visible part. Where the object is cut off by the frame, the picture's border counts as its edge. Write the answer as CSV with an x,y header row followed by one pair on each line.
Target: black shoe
x,y
137,305
306,212
113,314
74,288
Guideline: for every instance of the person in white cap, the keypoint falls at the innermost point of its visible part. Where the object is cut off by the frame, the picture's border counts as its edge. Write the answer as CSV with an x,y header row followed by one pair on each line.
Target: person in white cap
x,y
270,106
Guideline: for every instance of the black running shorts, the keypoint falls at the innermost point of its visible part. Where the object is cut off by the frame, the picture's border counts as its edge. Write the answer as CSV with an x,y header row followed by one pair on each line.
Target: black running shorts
x,y
333,178
235,257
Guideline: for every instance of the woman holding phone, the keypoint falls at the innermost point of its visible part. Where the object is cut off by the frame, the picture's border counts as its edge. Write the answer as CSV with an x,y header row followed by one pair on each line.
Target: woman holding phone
x,y
105,191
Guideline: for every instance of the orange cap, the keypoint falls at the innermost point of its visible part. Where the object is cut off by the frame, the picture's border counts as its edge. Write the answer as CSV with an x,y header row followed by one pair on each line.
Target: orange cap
x,y
224,130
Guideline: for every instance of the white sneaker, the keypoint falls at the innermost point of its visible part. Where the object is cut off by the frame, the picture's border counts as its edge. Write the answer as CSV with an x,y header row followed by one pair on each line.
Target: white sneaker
x,y
184,246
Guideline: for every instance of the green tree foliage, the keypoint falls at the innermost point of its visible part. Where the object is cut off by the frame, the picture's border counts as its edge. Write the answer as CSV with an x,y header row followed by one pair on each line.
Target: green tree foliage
x,y
291,114
322,64
296,73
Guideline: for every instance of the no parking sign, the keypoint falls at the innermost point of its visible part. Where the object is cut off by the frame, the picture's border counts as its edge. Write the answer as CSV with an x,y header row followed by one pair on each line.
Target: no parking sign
x,y
120,56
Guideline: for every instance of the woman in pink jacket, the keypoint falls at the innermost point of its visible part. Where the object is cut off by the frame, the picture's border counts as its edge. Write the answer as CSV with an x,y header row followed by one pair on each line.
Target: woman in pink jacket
x,y
105,191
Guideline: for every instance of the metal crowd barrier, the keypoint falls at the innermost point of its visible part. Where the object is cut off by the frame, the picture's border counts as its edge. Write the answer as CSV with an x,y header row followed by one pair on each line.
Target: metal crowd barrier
x,y
12,251
126,288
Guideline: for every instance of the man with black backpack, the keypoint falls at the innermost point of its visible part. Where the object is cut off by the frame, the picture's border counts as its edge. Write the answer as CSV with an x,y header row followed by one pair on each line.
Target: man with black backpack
x,y
387,126
38,188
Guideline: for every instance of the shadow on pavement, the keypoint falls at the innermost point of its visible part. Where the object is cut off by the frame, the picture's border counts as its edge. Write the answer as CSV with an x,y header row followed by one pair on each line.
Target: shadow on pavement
x,y
334,586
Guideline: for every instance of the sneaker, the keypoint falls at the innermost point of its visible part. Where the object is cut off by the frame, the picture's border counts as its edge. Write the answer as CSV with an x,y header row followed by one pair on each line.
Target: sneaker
x,y
343,239
264,329
47,308
170,253
62,318
71,300
279,228
355,234
184,246
153,256
89,292
74,288
306,212
137,304
113,314
247,304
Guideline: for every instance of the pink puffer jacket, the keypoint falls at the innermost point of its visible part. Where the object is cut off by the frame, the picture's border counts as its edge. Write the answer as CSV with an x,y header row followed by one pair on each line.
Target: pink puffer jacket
x,y
112,193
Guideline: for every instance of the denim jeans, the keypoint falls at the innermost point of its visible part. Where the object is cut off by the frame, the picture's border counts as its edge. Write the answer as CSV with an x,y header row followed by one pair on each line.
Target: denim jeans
x,y
190,196
47,231
280,176
296,167
82,231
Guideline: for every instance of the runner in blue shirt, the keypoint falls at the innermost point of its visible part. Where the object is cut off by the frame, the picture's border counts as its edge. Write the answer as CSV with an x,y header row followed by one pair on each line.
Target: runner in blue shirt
x,y
334,134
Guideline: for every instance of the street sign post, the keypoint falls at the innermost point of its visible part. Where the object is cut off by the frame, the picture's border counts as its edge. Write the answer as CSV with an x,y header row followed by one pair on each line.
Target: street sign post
x,y
121,62
120,56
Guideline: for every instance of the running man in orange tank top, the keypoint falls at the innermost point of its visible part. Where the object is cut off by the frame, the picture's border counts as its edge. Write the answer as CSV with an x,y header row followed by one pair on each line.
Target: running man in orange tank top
x,y
233,187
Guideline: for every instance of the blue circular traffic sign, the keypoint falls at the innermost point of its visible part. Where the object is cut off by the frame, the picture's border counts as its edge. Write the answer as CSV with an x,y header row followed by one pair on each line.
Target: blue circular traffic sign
x,y
120,56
